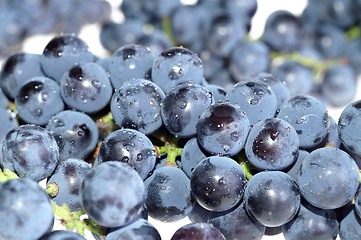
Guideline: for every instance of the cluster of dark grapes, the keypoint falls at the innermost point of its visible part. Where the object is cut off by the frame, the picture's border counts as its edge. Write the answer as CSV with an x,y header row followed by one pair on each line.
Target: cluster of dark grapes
x,y
20,19
232,133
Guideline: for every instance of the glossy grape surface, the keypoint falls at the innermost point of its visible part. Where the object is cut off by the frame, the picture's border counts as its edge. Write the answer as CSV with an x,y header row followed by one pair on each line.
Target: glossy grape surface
x,y
183,106
168,194
62,235
137,230
192,154
328,178
30,151
38,100
223,129
75,132
201,231
272,198
218,183
131,147
272,144
136,104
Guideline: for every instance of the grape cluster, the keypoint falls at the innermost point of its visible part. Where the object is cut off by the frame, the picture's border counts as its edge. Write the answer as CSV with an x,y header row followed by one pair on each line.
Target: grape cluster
x,y
186,121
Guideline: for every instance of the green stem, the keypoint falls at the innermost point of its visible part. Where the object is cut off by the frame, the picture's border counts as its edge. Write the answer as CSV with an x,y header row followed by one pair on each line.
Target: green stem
x,y
245,164
167,29
6,175
172,152
52,189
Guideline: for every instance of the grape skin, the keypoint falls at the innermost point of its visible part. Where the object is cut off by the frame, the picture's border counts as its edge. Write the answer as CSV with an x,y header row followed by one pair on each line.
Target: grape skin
x,y
112,194
199,231
25,210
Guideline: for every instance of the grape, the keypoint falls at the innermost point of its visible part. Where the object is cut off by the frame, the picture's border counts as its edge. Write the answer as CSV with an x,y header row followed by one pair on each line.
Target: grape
x,y
256,99
237,224
130,62
176,65
136,104
157,41
309,118
218,183
30,151
112,194
217,92
131,147
348,127
283,31
328,178
86,87
182,107
18,68
222,129
62,235
8,122
249,58
63,52
297,77
137,230
4,101
272,144
38,100
199,214
25,210
295,167
68,177
168,194
311,223
221,37
329,41
272,198
201,231
192,154
278,87
350,226
75,132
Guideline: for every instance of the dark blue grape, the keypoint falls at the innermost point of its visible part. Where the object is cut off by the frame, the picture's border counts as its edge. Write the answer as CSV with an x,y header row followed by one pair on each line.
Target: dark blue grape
x,y
29,151
38,99
272,198
218,183
182,107
68,177
137,230
136,104
199,214
309,118
293,170
75,132
157,41
18,68
350,226
224,34
86,87
8,122
115,35
25,210
348,127
192,154
168,194
237,224
298,78
328,178
223,129
256,99
311,223
283,31
329,40
212,63
160,9
62,53
62,235
272,144
176,65
339,85
131,147
130,62
201,231
249,58
218,92
112,194
278,87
